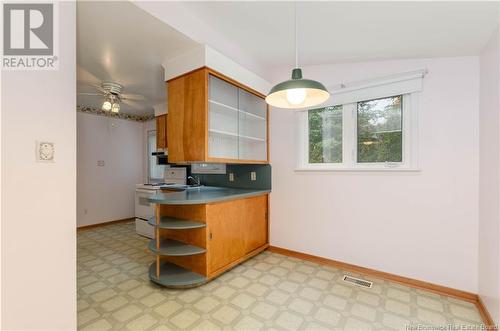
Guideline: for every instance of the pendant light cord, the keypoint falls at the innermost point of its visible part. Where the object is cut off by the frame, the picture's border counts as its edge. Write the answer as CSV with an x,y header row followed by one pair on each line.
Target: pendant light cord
x,y
296,39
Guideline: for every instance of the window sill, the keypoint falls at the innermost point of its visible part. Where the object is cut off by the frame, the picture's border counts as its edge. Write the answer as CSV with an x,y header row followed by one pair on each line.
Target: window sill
x,y
307,169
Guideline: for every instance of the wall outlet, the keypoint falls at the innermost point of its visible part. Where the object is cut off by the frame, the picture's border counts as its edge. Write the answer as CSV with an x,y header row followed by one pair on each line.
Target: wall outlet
x,y
45,151
231,177
253,175
100,163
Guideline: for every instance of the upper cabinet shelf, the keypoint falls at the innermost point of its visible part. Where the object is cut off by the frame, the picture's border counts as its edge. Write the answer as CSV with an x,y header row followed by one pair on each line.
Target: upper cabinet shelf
x,y
213,105
212,118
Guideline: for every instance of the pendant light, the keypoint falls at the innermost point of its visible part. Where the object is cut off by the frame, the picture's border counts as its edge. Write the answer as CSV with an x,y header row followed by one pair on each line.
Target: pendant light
x,y
297,92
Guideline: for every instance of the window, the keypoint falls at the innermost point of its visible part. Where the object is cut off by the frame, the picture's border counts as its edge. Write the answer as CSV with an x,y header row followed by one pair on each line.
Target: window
x,y
155,171
325,135
380,130
373,134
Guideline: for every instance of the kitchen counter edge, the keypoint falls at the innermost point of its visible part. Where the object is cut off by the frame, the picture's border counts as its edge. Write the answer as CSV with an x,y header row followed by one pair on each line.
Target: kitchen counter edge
x,y
174,200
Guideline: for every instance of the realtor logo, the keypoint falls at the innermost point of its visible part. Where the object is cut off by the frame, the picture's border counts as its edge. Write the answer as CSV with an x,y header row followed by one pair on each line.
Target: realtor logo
x,y
28,36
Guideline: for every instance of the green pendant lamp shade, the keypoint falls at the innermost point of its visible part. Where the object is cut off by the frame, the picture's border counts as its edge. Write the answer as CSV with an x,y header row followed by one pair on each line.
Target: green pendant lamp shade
x,y
297,92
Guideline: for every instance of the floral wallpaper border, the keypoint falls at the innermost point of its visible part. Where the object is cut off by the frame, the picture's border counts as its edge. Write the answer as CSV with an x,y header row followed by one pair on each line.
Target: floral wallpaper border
x,y
123,116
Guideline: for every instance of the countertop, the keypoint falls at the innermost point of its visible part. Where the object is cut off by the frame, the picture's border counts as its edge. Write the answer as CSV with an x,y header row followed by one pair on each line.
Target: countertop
x,y
204,194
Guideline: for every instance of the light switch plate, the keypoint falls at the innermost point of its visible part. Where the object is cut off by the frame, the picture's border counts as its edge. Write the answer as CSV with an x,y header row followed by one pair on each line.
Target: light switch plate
x,y
253,175
45,151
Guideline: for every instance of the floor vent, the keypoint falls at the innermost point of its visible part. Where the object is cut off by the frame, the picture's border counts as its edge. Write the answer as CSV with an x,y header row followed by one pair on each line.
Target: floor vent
x,y
357,281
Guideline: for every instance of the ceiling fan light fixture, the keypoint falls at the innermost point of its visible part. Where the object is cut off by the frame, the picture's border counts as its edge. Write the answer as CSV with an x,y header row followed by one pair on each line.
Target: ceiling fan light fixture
x,y
115,108
106,105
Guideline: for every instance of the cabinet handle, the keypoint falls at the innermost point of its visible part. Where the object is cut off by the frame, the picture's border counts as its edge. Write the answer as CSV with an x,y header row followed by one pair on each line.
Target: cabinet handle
x,y
210,236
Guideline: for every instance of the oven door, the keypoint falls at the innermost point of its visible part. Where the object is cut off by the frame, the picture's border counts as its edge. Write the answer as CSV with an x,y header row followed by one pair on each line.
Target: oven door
x,y
143,208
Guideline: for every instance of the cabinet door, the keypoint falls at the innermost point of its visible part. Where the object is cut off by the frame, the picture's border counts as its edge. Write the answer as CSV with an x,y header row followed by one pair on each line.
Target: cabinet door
x,y
222,119
252,125
235,229
187,117
161,127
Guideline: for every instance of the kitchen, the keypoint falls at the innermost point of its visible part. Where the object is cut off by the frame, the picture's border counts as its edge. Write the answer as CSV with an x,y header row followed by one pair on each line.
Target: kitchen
x,y
180,158
237,133
205,165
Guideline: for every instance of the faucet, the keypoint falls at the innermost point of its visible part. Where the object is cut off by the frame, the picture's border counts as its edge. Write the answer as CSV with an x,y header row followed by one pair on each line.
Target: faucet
x,y
195,179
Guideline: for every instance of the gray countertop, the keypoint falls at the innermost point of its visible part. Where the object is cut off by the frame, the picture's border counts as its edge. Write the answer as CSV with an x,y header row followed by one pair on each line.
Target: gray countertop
x,y
203,194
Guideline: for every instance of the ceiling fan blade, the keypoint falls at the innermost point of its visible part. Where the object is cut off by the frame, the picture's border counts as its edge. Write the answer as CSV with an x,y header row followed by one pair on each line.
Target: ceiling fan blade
x,y
98,87
133,97
85,93
134,104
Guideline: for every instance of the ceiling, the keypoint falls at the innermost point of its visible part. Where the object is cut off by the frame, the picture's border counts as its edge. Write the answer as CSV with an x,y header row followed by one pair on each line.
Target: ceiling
x,y
333,32
119,42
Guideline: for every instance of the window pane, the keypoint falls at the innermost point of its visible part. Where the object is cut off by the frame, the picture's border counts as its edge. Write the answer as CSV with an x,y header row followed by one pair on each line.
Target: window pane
x,y
325,135
380,136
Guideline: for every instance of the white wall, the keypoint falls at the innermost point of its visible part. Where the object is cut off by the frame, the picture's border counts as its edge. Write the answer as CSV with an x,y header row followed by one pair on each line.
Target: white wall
x,y
489,177
204,55
107,193
421,225
38,199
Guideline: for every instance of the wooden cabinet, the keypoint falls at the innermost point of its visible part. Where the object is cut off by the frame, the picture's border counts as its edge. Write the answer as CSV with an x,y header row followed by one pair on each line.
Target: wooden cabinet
x,y
195,243
161,132
213,118
235,228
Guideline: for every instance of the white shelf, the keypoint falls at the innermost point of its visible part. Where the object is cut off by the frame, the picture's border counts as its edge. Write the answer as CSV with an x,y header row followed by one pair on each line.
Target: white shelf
x,y
252,115
223,105
237,110
252,138
235,135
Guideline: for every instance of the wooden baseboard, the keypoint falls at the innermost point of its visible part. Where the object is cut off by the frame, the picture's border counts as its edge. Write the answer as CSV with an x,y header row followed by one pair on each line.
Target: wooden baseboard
x,y
438,289
485,314
92,226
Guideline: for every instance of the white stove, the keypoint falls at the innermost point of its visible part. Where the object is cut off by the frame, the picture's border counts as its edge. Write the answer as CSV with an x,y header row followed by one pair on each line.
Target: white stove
x,y
144,210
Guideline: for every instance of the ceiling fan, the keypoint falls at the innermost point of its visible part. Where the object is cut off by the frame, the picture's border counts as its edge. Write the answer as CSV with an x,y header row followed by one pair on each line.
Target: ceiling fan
x,y
113,96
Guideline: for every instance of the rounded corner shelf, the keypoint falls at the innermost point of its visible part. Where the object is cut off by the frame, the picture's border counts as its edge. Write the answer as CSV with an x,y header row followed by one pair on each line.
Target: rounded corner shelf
x,y
174,276
171,223
170,247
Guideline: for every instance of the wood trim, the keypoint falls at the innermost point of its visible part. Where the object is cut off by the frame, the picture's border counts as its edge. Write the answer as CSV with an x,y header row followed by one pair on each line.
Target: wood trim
x,y
485,314
207,114
158,238
419,284
235,161
236,198
97,225
439,289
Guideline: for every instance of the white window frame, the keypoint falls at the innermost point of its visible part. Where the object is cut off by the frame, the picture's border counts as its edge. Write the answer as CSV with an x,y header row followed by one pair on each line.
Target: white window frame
x,y
410,109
